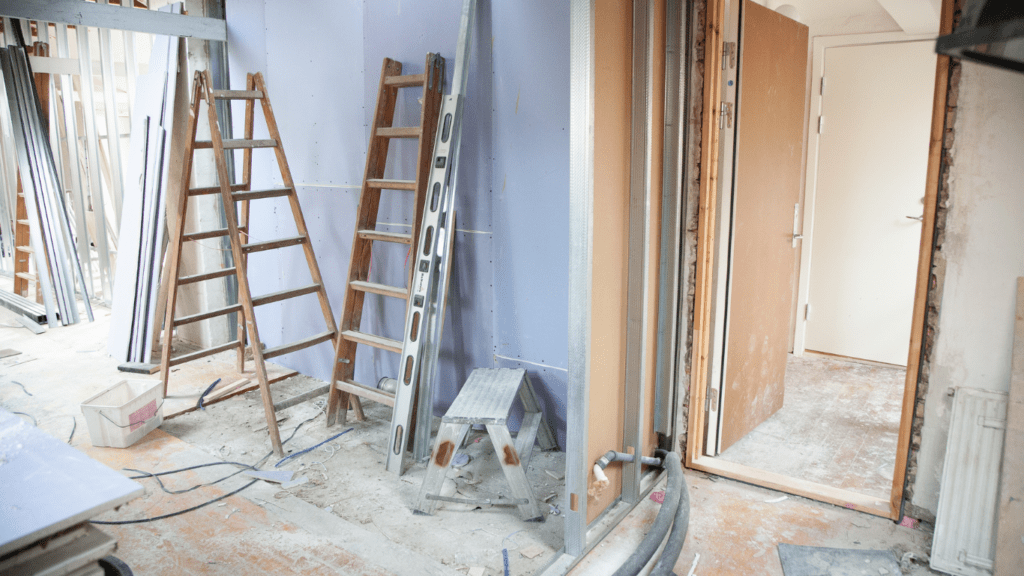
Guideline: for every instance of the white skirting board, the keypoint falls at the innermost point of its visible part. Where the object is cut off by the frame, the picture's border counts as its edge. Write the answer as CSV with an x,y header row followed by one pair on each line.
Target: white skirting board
x,y
964,540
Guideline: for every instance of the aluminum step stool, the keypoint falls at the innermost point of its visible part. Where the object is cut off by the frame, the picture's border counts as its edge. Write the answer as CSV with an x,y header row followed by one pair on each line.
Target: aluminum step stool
x,y
486,399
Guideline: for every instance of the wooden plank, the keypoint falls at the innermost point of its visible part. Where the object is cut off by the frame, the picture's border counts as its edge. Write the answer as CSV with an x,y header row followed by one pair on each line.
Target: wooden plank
x,y
382,289
373,340
295,346
98,15
204,235
138,368
300,398
285,294
215,189
1010,526
273,244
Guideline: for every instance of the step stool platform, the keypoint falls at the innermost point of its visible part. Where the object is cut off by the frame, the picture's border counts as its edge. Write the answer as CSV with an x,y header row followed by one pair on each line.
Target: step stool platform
x,y
486,399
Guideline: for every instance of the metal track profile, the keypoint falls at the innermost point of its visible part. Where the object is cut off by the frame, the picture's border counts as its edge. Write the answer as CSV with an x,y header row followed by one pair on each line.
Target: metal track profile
x,y
425,314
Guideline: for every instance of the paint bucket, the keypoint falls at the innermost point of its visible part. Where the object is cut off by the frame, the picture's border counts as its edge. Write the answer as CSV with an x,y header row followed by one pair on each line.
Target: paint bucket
x,y
122,414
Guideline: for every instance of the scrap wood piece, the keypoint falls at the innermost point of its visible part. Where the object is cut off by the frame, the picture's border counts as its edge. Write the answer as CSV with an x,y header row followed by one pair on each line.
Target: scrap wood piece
x,y
138,368
8,352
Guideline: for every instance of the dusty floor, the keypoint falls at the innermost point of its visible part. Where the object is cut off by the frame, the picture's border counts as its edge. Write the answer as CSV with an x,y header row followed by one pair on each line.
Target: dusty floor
x,y
838,426
351,517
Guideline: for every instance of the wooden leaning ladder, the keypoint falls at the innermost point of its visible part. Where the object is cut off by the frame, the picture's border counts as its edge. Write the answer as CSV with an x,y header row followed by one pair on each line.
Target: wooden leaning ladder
x,y
343,385
241,247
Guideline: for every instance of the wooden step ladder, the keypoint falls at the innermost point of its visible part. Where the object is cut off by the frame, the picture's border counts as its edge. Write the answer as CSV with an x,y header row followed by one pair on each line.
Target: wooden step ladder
x,y
431,81
241,246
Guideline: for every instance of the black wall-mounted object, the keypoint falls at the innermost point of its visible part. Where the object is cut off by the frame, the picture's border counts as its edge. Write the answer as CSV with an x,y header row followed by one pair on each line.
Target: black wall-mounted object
x,y
990,32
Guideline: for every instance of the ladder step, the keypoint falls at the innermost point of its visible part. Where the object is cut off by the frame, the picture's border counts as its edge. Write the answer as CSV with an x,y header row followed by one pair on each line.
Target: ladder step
x,y
185,358
400,132
26,249
214,189
208,234
406,80
294,346
372,340
391,184
237,143
382,289
299,399
272,244
207,315
285,294
23,222
27,276
366,392
257,194
237,94
385,236
207,276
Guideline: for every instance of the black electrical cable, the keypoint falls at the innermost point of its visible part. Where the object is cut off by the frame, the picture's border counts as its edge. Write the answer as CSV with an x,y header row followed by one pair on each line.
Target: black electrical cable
x,y
74,426
30,417
156,475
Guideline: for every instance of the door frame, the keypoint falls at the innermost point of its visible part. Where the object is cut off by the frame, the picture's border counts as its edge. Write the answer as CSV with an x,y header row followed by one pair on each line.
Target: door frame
x,y
819,44
705,286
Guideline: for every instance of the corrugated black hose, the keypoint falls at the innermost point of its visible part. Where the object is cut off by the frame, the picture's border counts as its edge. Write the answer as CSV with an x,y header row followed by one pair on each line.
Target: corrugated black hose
x,y
673,493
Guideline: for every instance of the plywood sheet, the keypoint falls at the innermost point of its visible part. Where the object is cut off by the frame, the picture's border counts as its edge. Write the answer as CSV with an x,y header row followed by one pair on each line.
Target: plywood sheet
x,y
769,151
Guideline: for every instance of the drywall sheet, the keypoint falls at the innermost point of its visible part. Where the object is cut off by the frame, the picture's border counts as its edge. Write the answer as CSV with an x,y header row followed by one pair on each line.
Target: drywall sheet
x,y
531,203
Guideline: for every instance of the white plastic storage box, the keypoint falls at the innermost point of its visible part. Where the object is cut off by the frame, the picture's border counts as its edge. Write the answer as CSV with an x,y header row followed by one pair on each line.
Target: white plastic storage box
x,y
122,414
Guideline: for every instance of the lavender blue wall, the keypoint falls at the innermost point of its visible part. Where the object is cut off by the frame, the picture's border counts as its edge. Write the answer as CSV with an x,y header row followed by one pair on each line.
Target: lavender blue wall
x,y
508,296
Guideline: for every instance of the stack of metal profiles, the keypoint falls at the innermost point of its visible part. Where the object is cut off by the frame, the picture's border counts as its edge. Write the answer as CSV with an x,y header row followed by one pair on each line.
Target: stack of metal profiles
x,y
52,240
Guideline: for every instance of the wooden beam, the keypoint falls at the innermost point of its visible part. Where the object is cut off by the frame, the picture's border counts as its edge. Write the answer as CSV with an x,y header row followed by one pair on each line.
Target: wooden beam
x,y
1009,547
81,13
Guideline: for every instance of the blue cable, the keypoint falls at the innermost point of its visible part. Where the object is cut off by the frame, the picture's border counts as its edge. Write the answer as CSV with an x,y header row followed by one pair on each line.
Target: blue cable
x,y
203,395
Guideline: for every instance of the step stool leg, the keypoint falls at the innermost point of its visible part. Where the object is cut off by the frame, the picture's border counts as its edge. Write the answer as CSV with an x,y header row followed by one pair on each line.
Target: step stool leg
x,y
526,436
514,471
449,438
545,436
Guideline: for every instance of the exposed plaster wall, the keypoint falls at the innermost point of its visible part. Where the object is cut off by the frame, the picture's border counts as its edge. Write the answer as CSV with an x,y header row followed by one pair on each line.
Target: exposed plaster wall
x,y
981,253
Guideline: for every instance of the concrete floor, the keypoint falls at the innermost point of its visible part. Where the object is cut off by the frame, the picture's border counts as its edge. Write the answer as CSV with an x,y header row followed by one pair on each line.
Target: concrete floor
x,y
838,425
351,517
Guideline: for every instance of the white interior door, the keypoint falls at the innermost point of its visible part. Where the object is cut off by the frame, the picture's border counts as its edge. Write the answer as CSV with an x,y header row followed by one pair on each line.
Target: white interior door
x,y
871,167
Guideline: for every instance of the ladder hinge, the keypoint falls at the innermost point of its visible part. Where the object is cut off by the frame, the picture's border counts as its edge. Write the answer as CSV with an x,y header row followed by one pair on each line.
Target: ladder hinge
x,y
728,55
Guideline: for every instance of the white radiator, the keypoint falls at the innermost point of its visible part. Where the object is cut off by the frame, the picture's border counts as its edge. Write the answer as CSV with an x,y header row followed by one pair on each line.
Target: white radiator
x,y
965,525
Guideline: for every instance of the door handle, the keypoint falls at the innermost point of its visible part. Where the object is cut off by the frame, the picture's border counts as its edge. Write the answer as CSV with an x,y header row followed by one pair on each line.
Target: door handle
x,y
918,218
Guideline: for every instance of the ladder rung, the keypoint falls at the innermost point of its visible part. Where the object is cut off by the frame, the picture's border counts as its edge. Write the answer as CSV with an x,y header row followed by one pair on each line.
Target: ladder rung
x,y
300,398
237,143
391,184
405,81
285,294
23,249
304,343
24,222
214,189
366,392
257,194
385,236
27,276
382,289
272,244
204,235
372,340
207,276
184,358
207,315
400,132
237,94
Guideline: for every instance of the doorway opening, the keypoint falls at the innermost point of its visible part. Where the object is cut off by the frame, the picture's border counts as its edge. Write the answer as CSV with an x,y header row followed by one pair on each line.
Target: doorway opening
x,y
809,306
